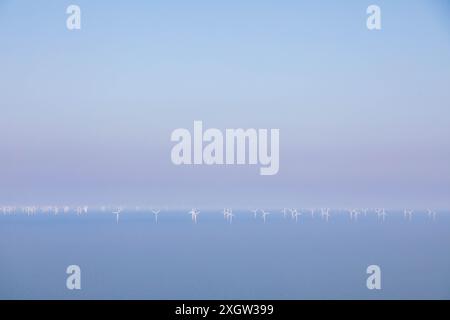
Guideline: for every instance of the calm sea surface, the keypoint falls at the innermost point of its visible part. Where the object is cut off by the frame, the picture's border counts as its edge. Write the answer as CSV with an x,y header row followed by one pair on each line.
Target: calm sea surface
x,y
137,258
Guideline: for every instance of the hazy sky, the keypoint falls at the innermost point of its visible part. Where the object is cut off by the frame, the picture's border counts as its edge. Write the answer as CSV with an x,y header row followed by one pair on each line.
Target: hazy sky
x,y
364,116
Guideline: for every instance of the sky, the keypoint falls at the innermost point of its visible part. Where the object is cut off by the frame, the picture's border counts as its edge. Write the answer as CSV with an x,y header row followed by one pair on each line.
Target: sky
x,y
364,116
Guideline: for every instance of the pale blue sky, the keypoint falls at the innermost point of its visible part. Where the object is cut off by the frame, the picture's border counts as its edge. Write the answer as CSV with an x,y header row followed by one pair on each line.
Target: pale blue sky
x,y
364,116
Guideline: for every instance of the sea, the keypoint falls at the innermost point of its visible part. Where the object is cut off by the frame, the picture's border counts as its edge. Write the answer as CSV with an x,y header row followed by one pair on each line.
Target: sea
x,y
137,257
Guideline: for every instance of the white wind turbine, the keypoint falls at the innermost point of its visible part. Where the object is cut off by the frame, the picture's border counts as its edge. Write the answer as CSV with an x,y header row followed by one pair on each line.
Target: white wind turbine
x,y
264,214
295,214
225,213
408,214
354,214
255,213
229,214
431,214
292,212
284,211
194,214
117,213
383,214
325,212
156,212
30,210
378,211
79,211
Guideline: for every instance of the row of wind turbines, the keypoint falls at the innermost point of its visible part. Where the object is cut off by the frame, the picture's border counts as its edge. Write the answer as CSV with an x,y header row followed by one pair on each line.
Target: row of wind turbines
x,y
294,214
33,210
228,215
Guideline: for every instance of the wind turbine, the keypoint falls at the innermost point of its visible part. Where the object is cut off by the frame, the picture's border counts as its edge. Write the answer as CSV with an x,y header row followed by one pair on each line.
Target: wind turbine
x,y
408,214
31,211
292,211
377,211
354,214
79,211
284,211
383,214
264,214
325,212
225,213
194,214
255,213
431,214
295,214
229,214
156,212
117,213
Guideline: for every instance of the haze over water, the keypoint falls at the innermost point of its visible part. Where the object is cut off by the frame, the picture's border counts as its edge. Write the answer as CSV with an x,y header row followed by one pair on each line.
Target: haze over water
x,y
363,118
